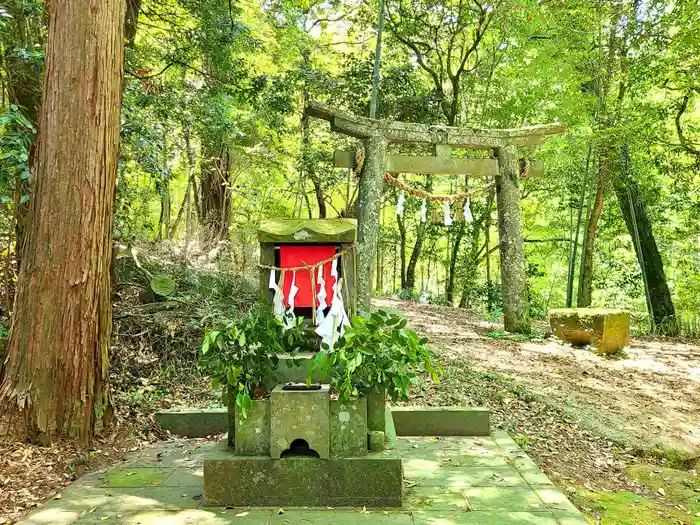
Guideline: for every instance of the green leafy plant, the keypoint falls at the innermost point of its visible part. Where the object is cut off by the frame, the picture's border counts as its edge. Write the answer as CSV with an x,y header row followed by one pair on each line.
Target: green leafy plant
x,y
376,352
242,356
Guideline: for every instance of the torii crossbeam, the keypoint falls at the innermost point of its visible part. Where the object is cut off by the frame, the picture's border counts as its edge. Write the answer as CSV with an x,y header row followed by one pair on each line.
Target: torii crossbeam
x,y
378,134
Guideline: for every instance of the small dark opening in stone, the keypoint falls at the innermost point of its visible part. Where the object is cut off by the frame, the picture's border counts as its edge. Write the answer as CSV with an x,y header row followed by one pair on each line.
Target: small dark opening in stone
x,y
299,448
300,387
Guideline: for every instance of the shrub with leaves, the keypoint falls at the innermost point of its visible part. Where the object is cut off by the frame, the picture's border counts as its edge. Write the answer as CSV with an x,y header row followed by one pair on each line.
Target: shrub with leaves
x,y
242,356
376,352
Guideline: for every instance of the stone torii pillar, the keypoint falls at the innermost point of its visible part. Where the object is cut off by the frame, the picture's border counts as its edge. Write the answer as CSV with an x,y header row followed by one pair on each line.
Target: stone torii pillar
x,y
378,134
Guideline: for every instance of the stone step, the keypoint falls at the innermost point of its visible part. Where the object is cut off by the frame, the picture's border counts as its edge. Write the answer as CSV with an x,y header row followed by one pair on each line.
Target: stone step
x,y
441,421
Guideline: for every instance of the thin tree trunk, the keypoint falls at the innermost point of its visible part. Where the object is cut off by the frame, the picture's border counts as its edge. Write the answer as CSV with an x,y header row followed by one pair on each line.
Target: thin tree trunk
x,y
452,265
402,248
55,381
574,248
415,255
185,204
639,227
191,165
585,292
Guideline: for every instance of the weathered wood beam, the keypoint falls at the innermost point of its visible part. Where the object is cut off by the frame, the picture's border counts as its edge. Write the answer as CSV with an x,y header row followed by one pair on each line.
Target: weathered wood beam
x,y
482,167
414,133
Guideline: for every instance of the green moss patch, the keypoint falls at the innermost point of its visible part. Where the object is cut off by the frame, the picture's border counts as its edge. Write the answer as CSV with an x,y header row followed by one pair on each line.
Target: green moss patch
x,y
137,477
630,508
670,485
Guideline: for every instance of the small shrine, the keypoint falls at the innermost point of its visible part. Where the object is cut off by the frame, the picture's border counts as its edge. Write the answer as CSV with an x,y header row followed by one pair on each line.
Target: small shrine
x,y
307,270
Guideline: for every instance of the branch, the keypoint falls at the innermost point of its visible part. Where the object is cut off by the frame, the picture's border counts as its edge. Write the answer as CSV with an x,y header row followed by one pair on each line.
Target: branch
x,y
685,144
553,239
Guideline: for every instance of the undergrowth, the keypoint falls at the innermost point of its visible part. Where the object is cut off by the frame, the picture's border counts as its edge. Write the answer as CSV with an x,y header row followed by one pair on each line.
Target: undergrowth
x,y
155,345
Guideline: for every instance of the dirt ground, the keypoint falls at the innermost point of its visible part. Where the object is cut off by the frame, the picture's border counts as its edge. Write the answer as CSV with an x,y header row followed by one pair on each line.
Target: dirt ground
x,y
646,397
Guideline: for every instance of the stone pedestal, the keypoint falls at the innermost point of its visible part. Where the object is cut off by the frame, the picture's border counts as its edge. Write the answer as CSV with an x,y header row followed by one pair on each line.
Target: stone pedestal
x,y
252,434
299,415
605,329
348,428
374,480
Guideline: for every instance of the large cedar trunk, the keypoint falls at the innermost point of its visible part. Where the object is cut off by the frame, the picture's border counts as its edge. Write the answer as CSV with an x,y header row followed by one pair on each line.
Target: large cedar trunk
x,y
585,291
54,382
639,228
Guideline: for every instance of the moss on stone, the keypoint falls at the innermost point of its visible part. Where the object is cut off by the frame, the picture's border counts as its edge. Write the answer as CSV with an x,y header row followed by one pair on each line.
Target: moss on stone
x,y
605,329
308,230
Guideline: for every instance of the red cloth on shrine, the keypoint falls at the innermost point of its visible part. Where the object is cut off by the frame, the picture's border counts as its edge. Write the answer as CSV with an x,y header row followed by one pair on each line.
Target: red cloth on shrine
x,y
295,256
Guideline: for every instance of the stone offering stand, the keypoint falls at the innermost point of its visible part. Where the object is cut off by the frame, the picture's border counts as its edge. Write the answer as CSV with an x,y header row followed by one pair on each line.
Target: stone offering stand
x,y
606,330
302,448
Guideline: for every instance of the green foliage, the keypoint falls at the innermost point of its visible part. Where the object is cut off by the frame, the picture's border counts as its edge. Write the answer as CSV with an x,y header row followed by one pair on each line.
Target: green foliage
x,y
16,137
242,356
377,351
162,285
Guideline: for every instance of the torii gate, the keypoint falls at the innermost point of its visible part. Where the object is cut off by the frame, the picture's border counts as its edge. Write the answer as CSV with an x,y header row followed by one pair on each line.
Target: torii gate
x,y
505,167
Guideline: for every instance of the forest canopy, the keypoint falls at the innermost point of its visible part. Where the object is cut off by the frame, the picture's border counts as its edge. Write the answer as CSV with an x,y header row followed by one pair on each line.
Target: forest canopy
x,y
213,137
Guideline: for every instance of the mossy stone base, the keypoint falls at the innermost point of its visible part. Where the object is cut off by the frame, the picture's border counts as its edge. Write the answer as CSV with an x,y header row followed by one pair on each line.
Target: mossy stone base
x,y
299,414
194,423
441,421
376,407
376,440
252,434
371,481
606,330
348,428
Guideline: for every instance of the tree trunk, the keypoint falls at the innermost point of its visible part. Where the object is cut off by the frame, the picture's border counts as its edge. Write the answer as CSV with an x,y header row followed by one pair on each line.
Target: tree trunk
x,y
450,288
512,249
54,383
415,254
402,248
585,291
368,209
650,262
131,21
215,181
574,248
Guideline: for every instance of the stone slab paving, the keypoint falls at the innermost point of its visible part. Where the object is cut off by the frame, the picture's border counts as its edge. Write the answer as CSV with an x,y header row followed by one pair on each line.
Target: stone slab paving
x,y
448,480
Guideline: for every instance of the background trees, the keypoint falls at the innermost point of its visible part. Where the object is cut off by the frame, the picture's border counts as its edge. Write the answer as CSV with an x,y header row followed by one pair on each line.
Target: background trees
x,y
213,138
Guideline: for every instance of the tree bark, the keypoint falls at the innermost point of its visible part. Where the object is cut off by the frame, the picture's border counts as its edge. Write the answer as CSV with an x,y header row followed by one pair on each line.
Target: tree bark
x,y
512,249
402,248
650,262
368,209
415,254
214,187
54,383
450,288
585,291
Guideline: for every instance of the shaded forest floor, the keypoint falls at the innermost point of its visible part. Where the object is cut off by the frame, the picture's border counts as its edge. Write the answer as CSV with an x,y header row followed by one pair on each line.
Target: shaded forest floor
x,y
619,434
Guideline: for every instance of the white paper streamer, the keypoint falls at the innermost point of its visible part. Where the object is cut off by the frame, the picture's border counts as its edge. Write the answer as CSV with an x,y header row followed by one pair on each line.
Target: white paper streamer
x,y
400,204
468,211
446,213
289,317
334,324
321,297
424,211
278,299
